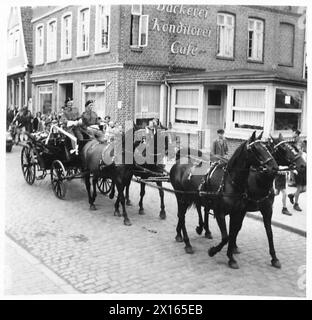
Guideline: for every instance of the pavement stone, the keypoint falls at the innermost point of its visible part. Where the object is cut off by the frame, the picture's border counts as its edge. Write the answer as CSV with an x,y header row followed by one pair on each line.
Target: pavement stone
x,y
95,253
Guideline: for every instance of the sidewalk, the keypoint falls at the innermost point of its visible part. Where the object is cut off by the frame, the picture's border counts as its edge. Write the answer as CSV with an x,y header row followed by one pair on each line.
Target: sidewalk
x,y
25,275
296,222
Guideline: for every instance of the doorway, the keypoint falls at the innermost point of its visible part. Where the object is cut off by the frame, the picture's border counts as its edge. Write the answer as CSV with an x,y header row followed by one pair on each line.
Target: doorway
x,y
65,91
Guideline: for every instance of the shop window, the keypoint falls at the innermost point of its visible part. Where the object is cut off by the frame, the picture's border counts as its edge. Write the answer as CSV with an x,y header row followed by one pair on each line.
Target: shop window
x,y
288,109
147,102
66,37
83,31
102,28
225,31
95,92
51,41
255,39
186,106
45,99
286,44
139,27
39,44
248,108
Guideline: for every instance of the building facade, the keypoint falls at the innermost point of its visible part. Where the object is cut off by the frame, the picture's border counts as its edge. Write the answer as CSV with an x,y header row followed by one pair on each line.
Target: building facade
x,y
19,58
195,67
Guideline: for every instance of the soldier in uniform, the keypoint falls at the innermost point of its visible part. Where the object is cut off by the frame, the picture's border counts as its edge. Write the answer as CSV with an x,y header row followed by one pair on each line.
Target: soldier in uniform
x,y
90,121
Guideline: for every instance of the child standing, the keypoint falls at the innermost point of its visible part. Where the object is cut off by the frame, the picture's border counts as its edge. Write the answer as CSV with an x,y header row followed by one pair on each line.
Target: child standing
x,y
280,186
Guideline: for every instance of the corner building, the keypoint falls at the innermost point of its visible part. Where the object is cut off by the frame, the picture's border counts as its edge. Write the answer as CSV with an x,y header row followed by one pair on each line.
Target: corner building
x,y
197,68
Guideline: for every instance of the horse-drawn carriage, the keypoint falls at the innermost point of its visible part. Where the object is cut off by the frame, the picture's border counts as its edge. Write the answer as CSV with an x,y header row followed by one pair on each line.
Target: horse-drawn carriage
x,y
48,152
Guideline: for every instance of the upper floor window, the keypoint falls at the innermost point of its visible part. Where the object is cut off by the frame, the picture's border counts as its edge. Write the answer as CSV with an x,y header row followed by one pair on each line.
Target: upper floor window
x,y
286,44
255,39
83,31
139,27
102,28
51,41
225,31
66,37
39,44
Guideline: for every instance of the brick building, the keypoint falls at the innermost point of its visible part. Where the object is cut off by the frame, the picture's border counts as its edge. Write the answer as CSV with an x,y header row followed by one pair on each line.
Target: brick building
x,y
196,67
19,58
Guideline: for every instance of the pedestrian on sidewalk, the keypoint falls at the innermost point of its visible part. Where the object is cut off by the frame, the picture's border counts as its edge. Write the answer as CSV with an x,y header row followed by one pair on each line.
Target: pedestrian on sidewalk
x,y
280,186
300,179
220,147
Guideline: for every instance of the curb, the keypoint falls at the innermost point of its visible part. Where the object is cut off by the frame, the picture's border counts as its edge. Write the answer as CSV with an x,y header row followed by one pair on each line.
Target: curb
x,y
279,225
37,264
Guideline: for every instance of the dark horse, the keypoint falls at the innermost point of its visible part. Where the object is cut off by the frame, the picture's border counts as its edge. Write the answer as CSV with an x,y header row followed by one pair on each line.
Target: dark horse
x,y
260,188
224,190
148,155
102,161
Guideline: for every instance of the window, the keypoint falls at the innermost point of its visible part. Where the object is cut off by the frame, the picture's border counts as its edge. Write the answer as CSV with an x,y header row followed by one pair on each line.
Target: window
x,y
225,34
255,39
66,41
45,99
139,27
83,31
186,106
147,101
288,109
102,28
95,92
248,108
214,97
286,44
51,41
39,44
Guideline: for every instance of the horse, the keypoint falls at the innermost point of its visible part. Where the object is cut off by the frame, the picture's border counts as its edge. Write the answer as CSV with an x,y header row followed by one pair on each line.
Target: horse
x,y
101,160
260,188
223,190
149,166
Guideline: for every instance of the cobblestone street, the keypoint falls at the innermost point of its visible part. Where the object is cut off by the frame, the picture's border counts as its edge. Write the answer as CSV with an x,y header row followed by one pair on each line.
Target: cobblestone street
x,y
93,252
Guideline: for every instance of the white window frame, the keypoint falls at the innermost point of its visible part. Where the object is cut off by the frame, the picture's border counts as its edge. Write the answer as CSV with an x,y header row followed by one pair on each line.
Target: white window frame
x,y
51,56
39,55
98,36
286,110
255,45
81,53
45,86
221,48
65,56
141,17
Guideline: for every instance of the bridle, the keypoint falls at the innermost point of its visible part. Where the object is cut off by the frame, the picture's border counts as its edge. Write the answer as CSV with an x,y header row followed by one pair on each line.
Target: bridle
x,y
262,163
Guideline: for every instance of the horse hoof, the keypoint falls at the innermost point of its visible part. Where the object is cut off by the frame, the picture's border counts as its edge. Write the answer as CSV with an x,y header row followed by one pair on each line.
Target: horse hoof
x,y
127,222
212,251
233,265
236,251
276,264
92,207
179,239
111,195
128,203
162,215
141,212
189,250
117,213
199,230
208,235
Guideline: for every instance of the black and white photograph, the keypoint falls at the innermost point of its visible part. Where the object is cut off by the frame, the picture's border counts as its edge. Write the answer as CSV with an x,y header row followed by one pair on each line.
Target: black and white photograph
x,y
155,150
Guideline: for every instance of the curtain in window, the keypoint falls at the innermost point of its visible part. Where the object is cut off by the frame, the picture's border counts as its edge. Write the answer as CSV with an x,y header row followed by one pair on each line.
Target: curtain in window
x,y
186,115
248,119
187,97
246,98
148,101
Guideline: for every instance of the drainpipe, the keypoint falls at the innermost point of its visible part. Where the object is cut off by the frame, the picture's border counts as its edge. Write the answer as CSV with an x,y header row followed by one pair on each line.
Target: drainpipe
x,y
168,101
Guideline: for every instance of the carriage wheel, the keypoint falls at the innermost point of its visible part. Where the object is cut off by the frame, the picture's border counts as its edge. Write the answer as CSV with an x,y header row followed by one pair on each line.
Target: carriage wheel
x,y
28,164
58,176
104,185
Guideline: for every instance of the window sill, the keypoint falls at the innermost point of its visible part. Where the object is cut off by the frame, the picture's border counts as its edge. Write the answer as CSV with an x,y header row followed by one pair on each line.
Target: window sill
x,y
82,55
101,52
286,65
52,61
39,64
241,134
136,48
225,58
255,61
66,59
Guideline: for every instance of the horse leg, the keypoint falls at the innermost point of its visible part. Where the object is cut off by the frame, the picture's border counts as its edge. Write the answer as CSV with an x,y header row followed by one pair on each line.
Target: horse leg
x,y
225,238
117,212
128,202
162,213
121,197
267,218
179,237
188,248
206,224
236,221
142,193
112,192
199,228
88,187
94,183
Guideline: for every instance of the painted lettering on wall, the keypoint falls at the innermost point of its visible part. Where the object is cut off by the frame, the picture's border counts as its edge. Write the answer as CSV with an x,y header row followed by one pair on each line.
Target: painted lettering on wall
x,y
181,28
